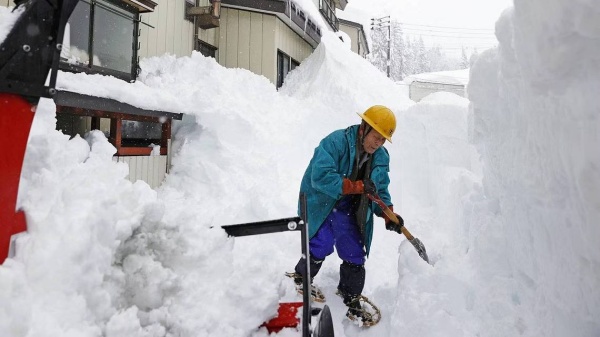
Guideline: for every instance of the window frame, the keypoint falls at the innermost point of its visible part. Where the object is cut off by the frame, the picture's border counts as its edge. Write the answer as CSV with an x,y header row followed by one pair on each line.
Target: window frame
x,y
94,69
291,65
202,45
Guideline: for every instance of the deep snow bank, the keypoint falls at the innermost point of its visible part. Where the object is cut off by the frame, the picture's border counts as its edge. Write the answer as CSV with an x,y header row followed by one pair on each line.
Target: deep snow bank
x,y
241,159
326,77
537,126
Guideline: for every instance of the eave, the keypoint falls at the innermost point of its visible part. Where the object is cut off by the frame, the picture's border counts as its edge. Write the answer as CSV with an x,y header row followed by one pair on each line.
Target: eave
x,y
92,103
143,6
286,12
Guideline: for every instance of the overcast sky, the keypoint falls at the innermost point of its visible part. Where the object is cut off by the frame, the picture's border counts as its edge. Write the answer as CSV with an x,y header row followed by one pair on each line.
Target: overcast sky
x,y
449,23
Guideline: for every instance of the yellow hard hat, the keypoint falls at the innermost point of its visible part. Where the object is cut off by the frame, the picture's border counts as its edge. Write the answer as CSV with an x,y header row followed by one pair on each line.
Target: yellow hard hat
x,y
381,119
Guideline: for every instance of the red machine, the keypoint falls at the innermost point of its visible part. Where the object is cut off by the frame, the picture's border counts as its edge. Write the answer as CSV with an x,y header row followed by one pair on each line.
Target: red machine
x,y
25,61
16,116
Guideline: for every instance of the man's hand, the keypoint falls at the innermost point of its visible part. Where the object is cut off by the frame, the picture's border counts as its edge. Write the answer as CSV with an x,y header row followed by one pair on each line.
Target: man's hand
x,y
358,187
396,227
369,186
392,226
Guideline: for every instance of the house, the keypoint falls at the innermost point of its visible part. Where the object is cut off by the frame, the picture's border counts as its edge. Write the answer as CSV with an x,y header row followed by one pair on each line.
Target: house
x,y
267,37
421,85
358,38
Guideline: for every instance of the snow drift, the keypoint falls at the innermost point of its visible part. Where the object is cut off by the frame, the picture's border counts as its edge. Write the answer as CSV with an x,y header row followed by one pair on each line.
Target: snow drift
x,y
536,125
512,238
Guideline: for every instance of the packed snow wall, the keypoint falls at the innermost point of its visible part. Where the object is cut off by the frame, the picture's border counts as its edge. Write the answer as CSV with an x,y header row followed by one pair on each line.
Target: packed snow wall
x,y
536,126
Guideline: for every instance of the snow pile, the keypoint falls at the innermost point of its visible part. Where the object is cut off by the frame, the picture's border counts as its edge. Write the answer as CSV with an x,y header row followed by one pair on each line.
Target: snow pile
x,y
364,83
80,209
139,263
537,127
437,176
242,160
514,252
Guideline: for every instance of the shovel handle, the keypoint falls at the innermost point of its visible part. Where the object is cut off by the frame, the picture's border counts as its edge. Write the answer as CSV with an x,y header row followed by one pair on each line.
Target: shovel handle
x,y
388,212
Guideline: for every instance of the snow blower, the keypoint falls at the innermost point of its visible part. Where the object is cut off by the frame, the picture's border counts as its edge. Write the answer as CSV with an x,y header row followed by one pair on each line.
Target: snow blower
x,y
30,51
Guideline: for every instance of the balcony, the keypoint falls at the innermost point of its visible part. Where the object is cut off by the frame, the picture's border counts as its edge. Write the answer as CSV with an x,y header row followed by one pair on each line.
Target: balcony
x,y
327,9
341,4
207,17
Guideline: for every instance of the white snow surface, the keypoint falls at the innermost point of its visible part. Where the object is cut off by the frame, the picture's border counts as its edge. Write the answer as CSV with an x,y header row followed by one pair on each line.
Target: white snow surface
x,y
458,77
8,18
503,190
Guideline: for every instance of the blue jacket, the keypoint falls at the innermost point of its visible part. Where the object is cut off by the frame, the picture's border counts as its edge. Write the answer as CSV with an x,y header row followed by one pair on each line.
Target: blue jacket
x,y
322,181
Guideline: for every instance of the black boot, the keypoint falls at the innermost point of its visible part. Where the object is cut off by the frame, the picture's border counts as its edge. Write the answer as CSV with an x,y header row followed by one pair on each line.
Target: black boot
x,y
352,279
315,265
352,282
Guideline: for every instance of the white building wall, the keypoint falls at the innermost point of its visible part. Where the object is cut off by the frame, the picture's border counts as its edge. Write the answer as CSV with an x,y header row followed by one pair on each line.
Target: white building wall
x,y
291,43
172,33
250,40
151,169
353,34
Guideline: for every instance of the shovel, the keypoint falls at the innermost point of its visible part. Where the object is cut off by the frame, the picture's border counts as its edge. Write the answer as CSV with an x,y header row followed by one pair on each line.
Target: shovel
x,y
415,242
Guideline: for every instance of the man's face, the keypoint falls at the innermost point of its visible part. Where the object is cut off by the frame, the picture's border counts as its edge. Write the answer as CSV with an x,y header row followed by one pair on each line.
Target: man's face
x,y
373,140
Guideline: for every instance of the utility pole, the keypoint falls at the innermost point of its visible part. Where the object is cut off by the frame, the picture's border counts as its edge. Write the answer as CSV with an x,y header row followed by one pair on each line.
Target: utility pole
x,y
377,23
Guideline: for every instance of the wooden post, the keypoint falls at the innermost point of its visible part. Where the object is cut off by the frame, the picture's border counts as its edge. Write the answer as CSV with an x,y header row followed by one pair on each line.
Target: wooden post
x,y
116,133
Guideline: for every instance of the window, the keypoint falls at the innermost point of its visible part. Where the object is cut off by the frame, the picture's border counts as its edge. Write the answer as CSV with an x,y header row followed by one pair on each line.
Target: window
x,y
130,134
101,38
327,8
136,133
285,64
130,129
206,49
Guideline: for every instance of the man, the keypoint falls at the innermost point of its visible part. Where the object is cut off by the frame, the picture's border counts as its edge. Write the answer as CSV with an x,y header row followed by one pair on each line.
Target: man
x,y
347,165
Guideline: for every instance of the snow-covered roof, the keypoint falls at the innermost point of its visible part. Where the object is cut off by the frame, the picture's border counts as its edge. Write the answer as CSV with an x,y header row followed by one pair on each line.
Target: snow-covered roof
x,y
457,77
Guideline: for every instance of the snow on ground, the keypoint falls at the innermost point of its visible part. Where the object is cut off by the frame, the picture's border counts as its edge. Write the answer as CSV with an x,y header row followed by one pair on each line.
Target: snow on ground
x,y
512,238
458,77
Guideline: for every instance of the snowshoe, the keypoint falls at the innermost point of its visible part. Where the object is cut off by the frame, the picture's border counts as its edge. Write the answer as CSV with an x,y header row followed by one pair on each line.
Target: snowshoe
x,y
316,293
365,314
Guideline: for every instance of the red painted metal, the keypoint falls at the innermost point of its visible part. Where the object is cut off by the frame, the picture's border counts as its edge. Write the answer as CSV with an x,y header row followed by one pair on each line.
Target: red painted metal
x,y
287,317
16,116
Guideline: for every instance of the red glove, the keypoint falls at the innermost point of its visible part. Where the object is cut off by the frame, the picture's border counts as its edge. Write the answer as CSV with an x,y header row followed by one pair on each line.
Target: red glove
x,y
358,187
352,187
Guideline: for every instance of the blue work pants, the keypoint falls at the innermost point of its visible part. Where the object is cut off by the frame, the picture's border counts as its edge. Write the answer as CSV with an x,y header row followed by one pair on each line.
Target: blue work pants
x,y
340,230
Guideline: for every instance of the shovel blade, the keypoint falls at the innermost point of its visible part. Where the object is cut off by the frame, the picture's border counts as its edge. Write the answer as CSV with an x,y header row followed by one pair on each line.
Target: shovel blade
x,y
420,249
